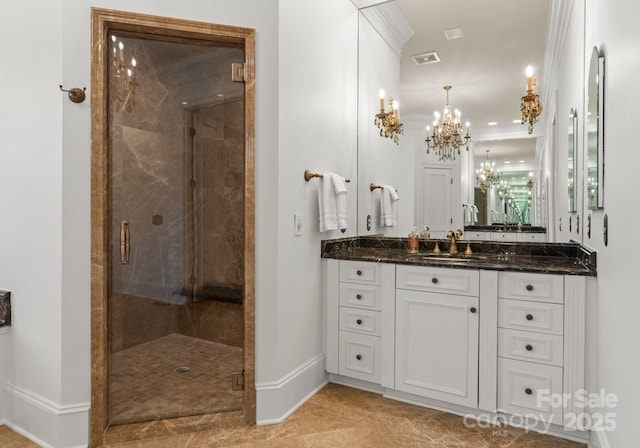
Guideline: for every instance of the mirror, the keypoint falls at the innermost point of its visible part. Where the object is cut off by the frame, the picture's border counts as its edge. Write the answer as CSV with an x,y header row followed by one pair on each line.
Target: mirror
x,y
595,131
511,199
571,161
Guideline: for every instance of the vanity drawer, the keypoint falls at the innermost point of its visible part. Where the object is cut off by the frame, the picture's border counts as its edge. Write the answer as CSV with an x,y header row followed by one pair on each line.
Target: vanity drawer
x,y
360,321
530,346
530,316
359,356
360,296
504,236
520,382
473,235
530,236
360,272
528,286
445,280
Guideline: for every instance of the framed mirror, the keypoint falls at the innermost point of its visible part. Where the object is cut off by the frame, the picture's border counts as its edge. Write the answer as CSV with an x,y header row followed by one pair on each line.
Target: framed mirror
x,y
595,131
571,159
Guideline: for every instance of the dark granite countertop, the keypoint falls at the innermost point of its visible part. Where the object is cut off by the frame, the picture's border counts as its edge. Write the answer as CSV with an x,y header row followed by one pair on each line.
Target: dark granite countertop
x,y
506,228
549,258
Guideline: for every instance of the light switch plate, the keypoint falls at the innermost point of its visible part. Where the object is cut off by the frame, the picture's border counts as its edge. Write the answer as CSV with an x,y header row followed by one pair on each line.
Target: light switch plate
x,y
297,224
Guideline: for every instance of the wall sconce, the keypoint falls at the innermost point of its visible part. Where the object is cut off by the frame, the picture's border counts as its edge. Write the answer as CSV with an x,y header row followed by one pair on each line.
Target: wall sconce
x,y
530,104
530,182
389,122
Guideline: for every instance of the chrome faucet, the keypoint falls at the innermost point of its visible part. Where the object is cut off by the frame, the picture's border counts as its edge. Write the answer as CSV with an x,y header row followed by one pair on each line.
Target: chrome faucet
x,y
453,237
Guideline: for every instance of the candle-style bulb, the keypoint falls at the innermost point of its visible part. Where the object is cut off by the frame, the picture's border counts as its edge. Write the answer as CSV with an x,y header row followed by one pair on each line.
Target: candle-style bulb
x,y
529,71
381,93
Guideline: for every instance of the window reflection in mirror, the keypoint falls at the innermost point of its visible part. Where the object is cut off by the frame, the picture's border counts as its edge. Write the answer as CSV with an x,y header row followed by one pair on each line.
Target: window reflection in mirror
x,y
571,160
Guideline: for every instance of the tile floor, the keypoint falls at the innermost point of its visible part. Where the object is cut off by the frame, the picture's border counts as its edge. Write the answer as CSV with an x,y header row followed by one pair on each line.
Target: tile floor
x,y
146,386
339,416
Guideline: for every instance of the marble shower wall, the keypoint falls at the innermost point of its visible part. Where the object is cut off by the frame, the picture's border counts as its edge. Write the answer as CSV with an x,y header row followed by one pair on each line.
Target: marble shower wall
x,y
152,162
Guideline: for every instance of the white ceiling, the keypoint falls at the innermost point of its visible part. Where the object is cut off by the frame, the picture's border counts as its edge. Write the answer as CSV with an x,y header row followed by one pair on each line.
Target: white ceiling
x,y
486,68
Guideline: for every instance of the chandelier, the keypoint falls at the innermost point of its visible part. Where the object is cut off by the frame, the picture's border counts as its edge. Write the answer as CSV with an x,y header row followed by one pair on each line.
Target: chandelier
x,y
389,122
447,137
530,104
503,189
487,176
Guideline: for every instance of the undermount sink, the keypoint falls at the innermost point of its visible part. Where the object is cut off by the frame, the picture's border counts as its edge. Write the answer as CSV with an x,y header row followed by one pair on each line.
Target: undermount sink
x,y
461,256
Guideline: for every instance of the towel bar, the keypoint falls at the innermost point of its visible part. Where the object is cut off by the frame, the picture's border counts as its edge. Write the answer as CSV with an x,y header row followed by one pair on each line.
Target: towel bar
x,y
373,186
308,175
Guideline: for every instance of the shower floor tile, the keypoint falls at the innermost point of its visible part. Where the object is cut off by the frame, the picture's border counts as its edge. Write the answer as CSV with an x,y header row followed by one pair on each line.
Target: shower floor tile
x,y
173,376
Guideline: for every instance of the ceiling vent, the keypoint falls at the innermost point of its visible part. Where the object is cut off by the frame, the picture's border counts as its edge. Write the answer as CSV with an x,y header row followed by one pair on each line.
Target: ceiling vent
x,y
426,58
453,33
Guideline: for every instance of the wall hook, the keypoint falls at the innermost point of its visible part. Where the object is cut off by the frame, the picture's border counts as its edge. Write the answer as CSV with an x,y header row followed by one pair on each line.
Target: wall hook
x,y
76,94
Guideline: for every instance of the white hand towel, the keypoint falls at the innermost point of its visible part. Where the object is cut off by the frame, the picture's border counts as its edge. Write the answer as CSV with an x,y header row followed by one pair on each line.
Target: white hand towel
x,y
388,198
467,213
332,202
474,213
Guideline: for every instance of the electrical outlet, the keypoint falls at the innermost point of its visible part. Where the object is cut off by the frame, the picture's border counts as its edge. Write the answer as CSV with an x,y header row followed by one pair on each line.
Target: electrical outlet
x,y
297,224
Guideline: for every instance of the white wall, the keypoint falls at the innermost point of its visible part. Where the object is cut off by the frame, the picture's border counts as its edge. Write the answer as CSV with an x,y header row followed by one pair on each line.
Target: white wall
x,y
380,160
612,26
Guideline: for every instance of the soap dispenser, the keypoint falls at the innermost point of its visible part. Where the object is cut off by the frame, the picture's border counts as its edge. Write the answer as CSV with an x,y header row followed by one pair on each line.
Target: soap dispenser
x,y
413,242
424,235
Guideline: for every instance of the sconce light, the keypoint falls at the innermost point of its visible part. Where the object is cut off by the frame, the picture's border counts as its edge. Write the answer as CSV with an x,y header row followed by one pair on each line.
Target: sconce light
x,y
389,122
530,182
530,104
124,69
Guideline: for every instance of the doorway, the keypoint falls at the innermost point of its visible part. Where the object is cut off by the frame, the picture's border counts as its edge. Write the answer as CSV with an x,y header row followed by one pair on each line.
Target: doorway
x,y
172,222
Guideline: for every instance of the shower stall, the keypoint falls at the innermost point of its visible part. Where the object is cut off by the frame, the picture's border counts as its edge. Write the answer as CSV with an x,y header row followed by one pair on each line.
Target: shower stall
x,y
175,213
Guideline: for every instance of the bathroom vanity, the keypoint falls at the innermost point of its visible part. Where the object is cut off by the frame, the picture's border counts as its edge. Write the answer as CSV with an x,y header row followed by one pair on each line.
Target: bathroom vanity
x,y
480,334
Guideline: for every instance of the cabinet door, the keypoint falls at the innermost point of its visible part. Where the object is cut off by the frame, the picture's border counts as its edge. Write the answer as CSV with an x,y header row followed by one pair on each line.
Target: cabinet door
x,y
437,346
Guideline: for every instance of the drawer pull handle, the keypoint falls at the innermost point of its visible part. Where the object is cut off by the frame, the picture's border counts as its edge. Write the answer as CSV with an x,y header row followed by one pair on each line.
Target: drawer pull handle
x,y
529,316
529,287
358,272
434,280
473,309
529,347
359,296
528,391
358,357
359,321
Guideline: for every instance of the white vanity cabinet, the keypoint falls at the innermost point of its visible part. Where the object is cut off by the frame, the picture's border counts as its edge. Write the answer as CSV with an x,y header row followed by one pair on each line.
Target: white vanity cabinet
x,y
437,333
360,320
540,342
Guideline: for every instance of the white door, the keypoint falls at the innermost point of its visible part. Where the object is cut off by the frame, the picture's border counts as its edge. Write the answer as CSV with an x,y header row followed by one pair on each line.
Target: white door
x,y
436,204
437,346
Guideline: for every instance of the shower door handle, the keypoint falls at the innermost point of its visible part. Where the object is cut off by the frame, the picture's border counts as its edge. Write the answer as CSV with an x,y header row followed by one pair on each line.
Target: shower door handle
x,y
124,242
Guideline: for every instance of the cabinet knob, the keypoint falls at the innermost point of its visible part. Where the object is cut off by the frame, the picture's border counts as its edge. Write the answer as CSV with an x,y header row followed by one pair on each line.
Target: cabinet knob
x,y
359,296
529,287
359,321
434,280
358,357
528,391
359,272
473,309
529,347
529,316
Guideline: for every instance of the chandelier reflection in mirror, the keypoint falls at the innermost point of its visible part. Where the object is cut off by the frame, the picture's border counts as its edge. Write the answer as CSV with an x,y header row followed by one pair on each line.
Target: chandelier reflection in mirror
x,y
124,70
447,138
530,104
487,176
389,122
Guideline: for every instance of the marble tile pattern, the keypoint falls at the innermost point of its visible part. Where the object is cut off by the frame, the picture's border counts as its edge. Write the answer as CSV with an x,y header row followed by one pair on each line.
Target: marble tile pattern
x,y
5,308
551,258
340,416
148,381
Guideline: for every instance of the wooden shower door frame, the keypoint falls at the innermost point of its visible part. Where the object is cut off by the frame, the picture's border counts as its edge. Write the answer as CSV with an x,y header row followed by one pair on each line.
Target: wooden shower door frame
x,y
104,21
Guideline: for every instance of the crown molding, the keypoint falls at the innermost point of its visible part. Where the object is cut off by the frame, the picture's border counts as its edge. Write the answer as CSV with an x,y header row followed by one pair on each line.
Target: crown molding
x,y
387,19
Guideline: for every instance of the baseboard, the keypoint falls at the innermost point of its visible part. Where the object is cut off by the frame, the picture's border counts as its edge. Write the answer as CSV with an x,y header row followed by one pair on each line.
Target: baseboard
x,y
45,422
275,401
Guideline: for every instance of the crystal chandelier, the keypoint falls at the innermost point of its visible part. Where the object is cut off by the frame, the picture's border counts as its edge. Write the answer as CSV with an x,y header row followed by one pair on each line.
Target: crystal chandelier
x,y
124,70
487,176
389,122
530,104
447,137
